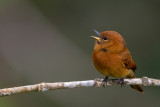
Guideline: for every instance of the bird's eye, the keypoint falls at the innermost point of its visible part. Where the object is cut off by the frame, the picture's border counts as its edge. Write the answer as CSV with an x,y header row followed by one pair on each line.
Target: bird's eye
x,y
105,38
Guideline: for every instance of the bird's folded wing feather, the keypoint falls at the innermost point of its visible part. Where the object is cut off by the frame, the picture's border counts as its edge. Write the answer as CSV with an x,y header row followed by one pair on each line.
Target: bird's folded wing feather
x,y
128,61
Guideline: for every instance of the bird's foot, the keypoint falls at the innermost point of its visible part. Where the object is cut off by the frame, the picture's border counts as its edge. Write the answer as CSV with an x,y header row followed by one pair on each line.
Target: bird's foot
x,y
121,81
104,82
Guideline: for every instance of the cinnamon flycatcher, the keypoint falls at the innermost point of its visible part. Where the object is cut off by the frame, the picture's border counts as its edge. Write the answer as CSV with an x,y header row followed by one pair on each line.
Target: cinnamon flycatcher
x,y
112,58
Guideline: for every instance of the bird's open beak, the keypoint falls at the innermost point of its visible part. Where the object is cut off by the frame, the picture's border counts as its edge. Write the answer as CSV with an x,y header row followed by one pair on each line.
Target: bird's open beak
x,y
97,38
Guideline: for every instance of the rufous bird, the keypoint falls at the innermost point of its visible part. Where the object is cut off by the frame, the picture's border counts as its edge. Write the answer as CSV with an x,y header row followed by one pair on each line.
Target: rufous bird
x,y
112,58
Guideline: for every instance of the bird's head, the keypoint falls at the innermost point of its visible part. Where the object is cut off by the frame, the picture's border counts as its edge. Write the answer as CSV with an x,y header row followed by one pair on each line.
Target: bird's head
x,y
110,41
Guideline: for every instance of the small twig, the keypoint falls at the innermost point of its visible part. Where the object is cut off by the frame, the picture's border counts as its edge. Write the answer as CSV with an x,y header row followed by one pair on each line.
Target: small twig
x,y
75,84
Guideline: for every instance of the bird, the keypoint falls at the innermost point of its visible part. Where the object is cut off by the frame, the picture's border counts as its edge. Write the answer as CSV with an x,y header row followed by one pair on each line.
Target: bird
x,y
112,58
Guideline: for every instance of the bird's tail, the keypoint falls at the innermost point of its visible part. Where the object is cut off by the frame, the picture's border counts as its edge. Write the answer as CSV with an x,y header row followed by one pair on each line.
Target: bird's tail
x,y
136,87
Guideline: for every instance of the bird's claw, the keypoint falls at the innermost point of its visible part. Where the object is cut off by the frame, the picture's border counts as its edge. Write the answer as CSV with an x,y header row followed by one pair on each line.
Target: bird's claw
x,y
121,81
104,82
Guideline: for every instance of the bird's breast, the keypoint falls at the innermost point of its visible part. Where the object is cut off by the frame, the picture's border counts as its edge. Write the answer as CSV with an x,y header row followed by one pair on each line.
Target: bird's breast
x,y
109,64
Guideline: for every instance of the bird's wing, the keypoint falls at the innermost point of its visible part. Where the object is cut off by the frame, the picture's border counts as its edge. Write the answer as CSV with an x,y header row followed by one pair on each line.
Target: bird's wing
x,y
128,61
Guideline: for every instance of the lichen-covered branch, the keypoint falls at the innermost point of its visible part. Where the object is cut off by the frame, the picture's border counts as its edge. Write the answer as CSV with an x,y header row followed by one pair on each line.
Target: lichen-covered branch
x,y
145,81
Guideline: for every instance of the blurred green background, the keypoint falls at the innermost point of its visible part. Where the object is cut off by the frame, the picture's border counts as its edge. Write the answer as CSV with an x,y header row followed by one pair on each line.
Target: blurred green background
x,y
48,41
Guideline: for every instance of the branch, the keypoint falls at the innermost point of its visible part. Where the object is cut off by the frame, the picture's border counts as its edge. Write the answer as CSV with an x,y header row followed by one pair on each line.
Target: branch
x,y
145,81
